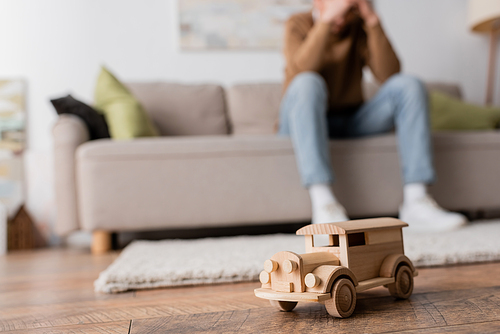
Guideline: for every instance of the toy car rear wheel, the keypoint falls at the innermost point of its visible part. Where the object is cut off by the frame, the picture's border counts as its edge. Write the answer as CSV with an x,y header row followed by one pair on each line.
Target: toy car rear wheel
x,y
402,288
343,301
283,305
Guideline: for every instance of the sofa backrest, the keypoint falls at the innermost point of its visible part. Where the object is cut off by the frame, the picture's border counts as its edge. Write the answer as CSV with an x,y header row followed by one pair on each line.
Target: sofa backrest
x,y
244,109
254,108
371,88
183,110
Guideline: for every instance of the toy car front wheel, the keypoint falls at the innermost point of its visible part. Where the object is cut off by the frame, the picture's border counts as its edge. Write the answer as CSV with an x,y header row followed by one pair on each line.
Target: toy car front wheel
x,y
283,305
343,301
402,288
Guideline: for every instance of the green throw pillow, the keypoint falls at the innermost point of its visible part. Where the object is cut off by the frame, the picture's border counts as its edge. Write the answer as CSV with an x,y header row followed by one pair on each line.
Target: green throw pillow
x,y
448,113
124,114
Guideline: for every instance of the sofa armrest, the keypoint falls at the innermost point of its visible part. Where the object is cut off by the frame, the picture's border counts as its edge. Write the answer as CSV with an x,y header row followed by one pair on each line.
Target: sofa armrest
x,y
69,132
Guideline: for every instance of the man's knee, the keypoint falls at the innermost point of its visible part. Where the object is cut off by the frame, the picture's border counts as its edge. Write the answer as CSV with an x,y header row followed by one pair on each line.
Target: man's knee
x,y
408,85
309,84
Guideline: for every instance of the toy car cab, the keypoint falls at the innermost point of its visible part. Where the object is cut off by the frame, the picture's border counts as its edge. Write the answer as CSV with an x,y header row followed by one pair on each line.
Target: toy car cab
x,y
360,255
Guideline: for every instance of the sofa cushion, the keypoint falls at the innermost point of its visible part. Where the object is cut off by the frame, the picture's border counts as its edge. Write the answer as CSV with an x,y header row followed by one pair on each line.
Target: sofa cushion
x,y
183,110
452,90
190,182
222,146
95,122
448,113
125,116
371,88
182,147
254,108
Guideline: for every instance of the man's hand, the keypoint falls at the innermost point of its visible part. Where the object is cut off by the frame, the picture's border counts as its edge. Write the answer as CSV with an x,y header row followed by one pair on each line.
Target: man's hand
x,y
367,13
334,11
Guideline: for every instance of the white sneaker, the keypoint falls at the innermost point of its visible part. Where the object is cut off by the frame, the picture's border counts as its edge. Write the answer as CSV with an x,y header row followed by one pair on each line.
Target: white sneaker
x,y
425,215
329,213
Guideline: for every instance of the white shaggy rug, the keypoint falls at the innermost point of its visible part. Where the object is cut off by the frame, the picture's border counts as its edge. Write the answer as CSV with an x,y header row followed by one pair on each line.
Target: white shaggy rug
x,y
154,264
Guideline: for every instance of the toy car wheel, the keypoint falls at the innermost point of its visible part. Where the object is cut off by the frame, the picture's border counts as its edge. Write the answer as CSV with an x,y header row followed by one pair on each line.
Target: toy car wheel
x,y
343,301
402,288
283,306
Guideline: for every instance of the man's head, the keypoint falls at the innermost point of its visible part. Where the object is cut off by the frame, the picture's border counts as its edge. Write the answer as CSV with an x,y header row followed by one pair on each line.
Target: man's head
x,y
347,9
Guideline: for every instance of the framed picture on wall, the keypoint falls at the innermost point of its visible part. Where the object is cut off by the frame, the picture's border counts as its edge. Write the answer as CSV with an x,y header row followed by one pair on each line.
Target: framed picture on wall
x,y
235,24
12,143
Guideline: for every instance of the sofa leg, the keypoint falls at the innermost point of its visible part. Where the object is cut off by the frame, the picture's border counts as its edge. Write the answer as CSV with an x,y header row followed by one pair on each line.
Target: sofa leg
x,y
101,242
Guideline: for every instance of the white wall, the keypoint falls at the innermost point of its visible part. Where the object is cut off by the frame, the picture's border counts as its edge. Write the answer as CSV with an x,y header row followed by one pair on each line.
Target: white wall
x,y
58,45
434,42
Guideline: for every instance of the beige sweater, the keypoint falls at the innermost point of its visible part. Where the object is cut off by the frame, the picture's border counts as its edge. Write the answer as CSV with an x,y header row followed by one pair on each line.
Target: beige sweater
x,y
338,58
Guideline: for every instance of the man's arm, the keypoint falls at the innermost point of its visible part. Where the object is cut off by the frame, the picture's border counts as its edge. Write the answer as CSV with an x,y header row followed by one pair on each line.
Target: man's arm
x,y
380,55
305,51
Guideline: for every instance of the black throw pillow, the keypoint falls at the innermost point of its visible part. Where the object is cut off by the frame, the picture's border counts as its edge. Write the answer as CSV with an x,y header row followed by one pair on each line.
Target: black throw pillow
x,y
96,123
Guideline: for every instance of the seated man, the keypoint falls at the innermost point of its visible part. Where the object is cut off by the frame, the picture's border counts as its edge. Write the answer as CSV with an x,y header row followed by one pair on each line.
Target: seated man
x,y
325,51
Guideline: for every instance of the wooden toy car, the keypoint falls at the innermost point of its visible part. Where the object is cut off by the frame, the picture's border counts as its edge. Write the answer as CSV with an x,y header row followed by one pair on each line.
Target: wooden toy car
x,y
360,255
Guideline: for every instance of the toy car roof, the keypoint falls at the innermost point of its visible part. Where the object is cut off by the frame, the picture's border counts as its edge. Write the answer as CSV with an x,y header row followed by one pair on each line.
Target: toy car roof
x,y
351,226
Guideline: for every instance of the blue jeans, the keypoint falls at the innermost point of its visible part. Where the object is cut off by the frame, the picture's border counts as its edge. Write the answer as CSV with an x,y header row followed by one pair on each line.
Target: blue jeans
x,y
401,103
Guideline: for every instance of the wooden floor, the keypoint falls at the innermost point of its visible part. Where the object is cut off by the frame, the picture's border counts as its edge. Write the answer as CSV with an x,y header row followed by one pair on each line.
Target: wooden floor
x,y
51,291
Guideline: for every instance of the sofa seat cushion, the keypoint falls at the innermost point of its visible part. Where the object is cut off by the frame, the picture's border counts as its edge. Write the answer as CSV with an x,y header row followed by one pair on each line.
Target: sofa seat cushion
x,y
266,144
189,182
183,110
220,146
176,147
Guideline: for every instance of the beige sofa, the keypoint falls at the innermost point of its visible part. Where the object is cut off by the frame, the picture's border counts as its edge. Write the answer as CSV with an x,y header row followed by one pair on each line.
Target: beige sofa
x,y
219,163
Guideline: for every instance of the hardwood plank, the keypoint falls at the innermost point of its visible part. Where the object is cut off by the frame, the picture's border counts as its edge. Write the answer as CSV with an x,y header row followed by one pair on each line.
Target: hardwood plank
x,y
372,315
87,312
53,289
51,276
481,327
81,293
449,278
121,327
